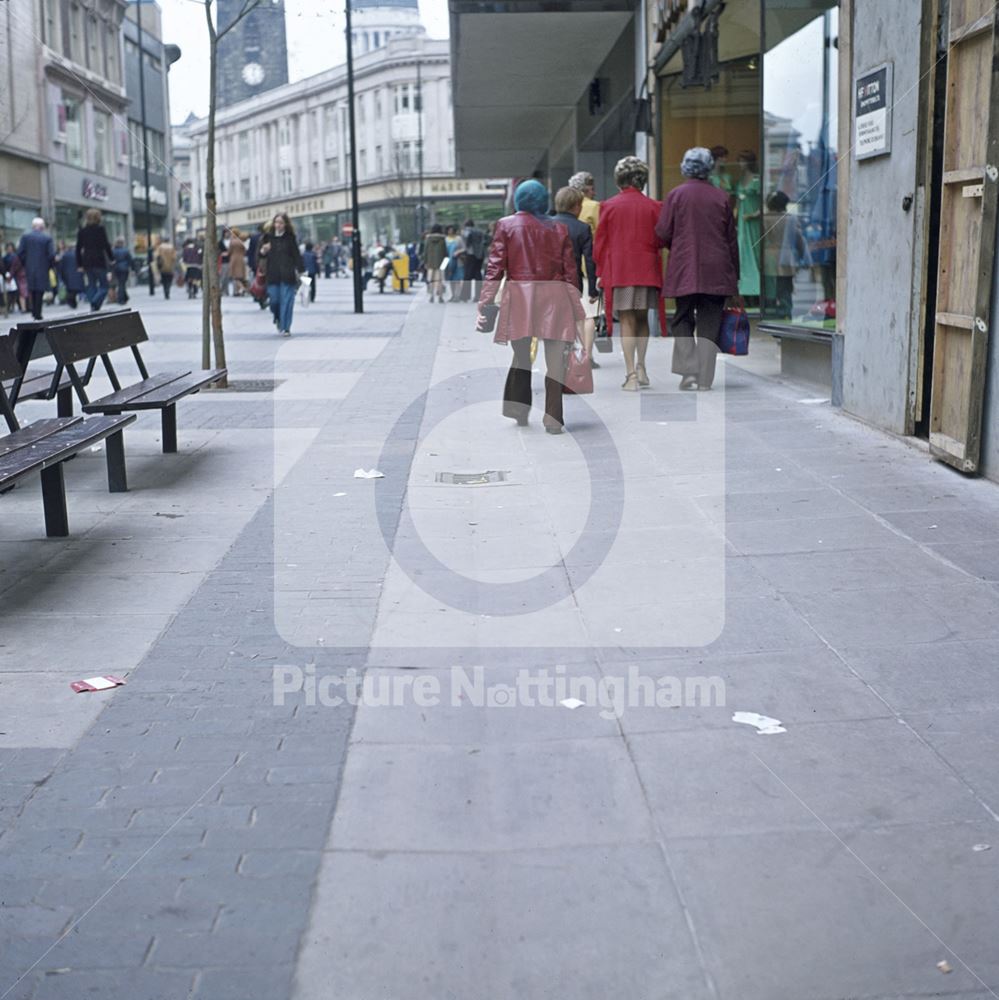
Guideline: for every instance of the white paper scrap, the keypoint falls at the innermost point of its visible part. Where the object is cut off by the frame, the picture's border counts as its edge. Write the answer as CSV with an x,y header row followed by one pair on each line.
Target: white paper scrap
x,y
764,724
572,703
339,494
370,474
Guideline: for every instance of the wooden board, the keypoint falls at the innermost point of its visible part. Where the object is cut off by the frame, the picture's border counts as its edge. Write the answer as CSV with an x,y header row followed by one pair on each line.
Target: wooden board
x,y
967,233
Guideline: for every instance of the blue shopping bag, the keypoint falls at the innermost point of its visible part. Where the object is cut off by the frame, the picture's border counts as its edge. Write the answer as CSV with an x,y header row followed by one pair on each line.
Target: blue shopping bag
x,y
734,335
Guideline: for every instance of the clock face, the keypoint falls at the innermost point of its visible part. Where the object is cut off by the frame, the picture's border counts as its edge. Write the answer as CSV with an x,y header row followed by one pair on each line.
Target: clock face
x,y
253,74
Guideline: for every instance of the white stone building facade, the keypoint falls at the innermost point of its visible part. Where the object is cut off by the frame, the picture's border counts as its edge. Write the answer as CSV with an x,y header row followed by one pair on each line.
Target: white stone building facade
x,y
288,149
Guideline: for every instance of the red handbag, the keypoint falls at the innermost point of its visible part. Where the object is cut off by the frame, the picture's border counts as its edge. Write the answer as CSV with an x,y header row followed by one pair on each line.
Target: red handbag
x,y
578,371
258,287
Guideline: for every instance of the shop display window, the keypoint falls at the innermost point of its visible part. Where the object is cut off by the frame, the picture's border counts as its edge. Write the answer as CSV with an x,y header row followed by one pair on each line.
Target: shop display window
x,y
797,220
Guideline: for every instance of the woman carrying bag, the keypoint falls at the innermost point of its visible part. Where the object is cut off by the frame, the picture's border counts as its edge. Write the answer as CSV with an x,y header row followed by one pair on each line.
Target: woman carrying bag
x,y
279,249
539,299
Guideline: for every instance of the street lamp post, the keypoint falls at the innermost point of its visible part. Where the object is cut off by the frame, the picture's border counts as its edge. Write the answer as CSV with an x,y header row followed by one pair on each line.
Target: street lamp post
x,y
419,147
355,236
145,149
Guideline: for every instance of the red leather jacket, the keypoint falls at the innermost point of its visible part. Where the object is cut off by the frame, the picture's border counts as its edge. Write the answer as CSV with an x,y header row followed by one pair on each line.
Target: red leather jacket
x,y
540,297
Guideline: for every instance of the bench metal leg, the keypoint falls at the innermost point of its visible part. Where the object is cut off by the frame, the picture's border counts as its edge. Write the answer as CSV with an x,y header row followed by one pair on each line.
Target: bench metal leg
x,y
117,478
64,402
169,429
54,501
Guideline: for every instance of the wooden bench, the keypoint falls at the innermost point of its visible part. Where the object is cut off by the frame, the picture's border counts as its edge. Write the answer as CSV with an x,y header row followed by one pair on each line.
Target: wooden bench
x,y
30,342
98,337
45,445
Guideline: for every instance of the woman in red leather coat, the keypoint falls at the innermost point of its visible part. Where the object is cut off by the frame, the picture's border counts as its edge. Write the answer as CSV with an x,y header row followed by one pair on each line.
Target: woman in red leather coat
x,y
540,299
629,263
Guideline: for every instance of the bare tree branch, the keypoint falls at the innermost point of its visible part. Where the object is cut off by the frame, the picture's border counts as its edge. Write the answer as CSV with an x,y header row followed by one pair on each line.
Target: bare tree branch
x,y
248,6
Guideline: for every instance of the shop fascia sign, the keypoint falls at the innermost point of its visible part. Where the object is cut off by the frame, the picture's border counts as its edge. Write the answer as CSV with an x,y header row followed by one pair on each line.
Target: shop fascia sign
x,y
465,187
307,206
93,191
872,115
156,196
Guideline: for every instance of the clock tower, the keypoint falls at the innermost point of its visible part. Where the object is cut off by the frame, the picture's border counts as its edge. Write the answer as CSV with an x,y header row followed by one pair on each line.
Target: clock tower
x,y
253,57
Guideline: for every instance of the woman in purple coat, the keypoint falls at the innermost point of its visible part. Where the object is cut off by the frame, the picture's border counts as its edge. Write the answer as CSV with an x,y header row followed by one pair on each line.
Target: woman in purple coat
x,y
698,229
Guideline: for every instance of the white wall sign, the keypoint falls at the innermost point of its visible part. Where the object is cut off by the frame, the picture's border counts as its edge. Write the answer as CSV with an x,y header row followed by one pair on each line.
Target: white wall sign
x,y
872,116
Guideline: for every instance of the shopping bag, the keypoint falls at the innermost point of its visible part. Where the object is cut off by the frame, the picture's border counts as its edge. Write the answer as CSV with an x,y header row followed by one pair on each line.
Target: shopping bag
x,y
578,371
733,338
258,287
602,338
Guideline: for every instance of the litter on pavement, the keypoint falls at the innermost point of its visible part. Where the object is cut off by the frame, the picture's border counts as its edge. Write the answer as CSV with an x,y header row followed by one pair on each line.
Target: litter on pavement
x,y
370,474
97,683
765,726
945,966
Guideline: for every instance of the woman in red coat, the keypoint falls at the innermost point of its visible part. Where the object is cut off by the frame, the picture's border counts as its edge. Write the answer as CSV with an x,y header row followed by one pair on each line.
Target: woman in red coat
x,y
540,299
629,265
703,268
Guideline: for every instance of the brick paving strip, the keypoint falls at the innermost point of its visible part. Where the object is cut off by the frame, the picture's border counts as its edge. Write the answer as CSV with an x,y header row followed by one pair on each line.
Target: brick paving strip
x,y
179,840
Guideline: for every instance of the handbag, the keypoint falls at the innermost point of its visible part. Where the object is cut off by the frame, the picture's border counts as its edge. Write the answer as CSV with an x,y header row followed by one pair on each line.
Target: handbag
x,y
258,287
733,337
602,338
578,371
486,322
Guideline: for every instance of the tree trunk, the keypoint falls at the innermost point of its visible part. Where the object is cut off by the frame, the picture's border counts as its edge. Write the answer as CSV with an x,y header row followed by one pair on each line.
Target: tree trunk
x,y
211,315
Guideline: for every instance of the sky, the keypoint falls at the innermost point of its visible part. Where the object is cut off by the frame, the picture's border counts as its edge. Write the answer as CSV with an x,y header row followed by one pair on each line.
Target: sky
x,y
315,42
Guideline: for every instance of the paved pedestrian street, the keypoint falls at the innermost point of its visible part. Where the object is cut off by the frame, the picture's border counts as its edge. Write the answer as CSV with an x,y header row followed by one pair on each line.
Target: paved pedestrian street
x,y
421,704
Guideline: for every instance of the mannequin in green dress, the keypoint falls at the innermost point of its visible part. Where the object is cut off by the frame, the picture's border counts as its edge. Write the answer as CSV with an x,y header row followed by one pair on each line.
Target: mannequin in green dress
x,y
749,206
719,175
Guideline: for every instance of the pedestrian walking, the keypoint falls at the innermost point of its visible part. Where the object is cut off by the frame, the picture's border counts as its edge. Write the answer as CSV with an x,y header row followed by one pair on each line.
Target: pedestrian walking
x,y
568,203
629,264
589,211
166,264
475,241
434,254
697,227
311,262
93,257
15,282
121,268
237,261
192,257
36,251
70,276
533,253
223,259
279,248
455,273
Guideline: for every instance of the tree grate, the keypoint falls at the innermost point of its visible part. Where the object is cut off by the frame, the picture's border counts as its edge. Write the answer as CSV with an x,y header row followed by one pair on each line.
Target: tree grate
x,y
472,478
253,384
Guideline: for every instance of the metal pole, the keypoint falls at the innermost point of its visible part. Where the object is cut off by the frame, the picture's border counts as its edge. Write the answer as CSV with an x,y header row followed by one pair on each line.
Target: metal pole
x,y
354,209
145,149
419,105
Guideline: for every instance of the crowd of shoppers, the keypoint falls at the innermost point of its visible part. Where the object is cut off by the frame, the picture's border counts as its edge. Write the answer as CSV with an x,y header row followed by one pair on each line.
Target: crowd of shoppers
x,y
548,274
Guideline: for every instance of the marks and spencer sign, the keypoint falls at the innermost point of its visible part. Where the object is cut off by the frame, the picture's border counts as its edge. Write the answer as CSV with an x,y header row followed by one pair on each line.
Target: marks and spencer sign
x,y
872,117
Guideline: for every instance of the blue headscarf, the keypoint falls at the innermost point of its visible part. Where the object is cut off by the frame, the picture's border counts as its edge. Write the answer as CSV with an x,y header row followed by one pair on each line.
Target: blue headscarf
x,y
531,196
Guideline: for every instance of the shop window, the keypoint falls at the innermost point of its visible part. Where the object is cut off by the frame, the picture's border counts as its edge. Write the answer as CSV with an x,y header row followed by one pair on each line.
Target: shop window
x,y
103,153
797,189
70,129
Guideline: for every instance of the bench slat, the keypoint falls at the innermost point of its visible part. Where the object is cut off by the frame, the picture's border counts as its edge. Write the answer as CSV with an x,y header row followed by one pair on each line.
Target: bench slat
x,y
38,386
33,433
59,444
157,397
96,335
132,394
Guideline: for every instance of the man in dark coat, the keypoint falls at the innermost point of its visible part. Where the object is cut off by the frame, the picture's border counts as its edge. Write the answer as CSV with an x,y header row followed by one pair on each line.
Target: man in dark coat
x,y
72,279
697,227
37,253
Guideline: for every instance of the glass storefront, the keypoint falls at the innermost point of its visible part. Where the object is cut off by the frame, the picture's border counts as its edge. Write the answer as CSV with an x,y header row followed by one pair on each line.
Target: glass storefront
x,y
770,118
69,219
799,167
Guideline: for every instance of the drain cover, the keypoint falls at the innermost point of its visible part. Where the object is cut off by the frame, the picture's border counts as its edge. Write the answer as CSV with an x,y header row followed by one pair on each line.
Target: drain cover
x,y
472,478
254,384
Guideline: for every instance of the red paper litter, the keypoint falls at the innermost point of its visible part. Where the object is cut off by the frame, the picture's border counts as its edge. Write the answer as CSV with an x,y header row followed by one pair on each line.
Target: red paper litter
x,y
97,683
